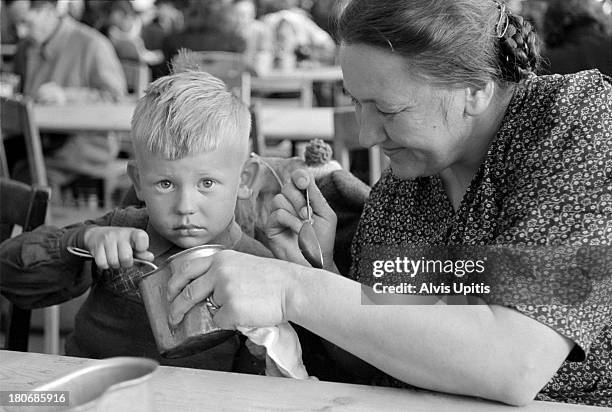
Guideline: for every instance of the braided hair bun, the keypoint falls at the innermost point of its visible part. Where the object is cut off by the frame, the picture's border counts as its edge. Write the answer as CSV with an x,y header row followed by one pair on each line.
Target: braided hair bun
x,y
519,50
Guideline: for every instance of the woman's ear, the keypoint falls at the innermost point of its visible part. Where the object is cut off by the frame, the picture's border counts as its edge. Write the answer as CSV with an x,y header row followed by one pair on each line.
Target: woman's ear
x,y
132,170
248,176
478,99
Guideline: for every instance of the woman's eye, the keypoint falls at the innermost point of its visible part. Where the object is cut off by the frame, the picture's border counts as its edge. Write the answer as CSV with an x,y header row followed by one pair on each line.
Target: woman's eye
x,y
385,113
207,184
355,102
164,185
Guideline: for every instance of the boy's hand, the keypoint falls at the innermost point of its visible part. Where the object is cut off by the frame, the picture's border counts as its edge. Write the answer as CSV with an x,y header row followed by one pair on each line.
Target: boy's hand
x,y
115,247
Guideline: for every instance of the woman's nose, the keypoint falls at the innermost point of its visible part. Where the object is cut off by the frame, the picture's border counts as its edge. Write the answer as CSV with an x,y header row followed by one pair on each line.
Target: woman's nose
x,y
371,130
186,202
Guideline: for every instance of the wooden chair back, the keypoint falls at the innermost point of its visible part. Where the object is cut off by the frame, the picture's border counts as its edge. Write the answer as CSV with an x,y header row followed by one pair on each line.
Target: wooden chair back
x,y
257,138
18,119
346,138
137,76
26,206
229,67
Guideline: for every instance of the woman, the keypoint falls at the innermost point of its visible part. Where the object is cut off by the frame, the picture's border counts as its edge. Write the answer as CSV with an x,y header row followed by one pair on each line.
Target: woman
x,y
482,152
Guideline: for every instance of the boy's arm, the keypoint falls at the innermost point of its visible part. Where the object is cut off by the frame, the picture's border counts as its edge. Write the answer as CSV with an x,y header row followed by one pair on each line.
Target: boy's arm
x,y
36,270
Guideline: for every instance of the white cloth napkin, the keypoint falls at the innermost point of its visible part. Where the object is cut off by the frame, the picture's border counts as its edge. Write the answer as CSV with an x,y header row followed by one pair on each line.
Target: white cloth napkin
x,y
282,346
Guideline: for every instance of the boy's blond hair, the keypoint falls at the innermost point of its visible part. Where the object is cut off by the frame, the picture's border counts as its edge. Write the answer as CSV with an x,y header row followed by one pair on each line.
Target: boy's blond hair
x,y
189,112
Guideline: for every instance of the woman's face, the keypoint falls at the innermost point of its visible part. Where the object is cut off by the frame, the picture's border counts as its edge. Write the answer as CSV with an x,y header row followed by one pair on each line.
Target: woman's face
x,y
422,129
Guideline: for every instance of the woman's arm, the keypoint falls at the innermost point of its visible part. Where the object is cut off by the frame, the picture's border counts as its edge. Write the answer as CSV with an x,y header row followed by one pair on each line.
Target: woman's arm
x,y
487,351
492,352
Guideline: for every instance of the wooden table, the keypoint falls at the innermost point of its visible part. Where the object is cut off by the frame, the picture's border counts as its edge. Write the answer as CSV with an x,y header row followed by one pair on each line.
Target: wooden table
x,y
294,123
179,389
299,79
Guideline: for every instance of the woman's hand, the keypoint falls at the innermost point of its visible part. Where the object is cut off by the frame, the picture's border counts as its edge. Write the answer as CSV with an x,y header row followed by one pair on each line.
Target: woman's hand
x,y
251,291
117,247
289,212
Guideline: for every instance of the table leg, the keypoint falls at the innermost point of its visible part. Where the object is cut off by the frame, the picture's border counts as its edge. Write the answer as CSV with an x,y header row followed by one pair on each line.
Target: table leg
x,y
51,329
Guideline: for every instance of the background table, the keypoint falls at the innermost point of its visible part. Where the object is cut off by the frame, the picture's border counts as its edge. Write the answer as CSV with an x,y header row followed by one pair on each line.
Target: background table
x,y
179,389
299,78
294,123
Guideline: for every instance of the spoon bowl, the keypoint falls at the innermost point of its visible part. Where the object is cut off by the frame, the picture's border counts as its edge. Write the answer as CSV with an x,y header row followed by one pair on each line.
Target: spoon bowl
x,y
307,240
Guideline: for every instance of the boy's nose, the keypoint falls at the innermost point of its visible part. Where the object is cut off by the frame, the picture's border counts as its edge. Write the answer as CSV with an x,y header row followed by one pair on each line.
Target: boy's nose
x,y
186,202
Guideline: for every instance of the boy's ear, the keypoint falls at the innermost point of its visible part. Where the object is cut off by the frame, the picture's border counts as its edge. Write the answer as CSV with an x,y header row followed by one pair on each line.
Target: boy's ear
x,y
248,176
132,171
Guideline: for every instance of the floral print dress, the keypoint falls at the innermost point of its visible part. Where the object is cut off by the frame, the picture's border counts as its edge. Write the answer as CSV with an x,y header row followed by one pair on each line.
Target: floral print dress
x,y
546,182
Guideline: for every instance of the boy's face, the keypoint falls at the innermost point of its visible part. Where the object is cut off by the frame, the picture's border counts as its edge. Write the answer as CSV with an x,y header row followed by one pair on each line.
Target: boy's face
x,y
190,200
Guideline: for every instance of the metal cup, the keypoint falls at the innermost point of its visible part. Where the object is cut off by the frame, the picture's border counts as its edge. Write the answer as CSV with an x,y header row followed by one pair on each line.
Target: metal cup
x,y
109,385
197,331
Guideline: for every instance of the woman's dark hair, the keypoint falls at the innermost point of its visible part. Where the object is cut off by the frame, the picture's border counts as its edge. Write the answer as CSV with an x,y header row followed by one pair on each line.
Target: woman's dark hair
x,y
450,42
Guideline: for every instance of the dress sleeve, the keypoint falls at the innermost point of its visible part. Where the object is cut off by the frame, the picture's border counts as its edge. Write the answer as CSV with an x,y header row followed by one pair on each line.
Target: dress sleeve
x,y
562,218
37,271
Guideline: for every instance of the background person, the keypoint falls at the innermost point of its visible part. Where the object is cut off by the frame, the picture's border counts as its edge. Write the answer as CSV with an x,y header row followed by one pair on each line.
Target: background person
x,y
63,61
482,152
578,36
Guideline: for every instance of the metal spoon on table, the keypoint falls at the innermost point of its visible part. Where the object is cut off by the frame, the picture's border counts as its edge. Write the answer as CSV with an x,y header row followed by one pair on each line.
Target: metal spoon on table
x,y
307,240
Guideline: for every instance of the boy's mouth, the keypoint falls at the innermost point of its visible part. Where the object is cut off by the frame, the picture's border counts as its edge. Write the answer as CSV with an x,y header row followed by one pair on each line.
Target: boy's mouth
x,y
188,230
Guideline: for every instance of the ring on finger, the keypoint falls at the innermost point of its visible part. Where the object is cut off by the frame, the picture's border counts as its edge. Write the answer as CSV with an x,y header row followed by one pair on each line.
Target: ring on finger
x,y
211,303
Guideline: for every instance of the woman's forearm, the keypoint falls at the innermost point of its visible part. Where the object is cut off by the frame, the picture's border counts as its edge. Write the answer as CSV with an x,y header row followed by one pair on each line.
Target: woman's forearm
x,y
436,347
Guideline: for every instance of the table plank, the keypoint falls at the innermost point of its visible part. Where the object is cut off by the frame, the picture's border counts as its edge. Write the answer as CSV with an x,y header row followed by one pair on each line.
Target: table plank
x,y
294,123
180,389
313,74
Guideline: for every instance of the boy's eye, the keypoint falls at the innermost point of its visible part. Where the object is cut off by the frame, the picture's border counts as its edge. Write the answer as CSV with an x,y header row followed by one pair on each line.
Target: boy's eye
x,y
207,184
355,102
164,185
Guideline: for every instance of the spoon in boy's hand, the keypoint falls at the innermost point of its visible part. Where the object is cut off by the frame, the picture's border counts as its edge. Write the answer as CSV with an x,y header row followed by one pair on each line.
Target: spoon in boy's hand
x,y
307,240
86,254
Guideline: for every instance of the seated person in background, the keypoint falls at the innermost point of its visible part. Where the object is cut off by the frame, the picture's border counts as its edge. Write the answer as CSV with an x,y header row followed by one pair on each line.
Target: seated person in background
x,y
60,61
125,32
311,41
8,30
167,20
258,39
578,36
187,169
209,26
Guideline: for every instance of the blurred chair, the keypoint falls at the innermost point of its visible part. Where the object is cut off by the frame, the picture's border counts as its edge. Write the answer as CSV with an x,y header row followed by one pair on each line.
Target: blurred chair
x,y
26,206
17,119
346,138
258,140
137,76
303,88
229,67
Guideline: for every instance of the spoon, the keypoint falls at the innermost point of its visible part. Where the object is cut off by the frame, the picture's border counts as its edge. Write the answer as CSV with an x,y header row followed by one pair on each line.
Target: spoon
x,y
85,253
307,240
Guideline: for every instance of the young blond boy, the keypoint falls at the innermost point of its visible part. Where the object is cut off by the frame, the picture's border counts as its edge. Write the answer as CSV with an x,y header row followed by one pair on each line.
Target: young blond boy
x,y
190,138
